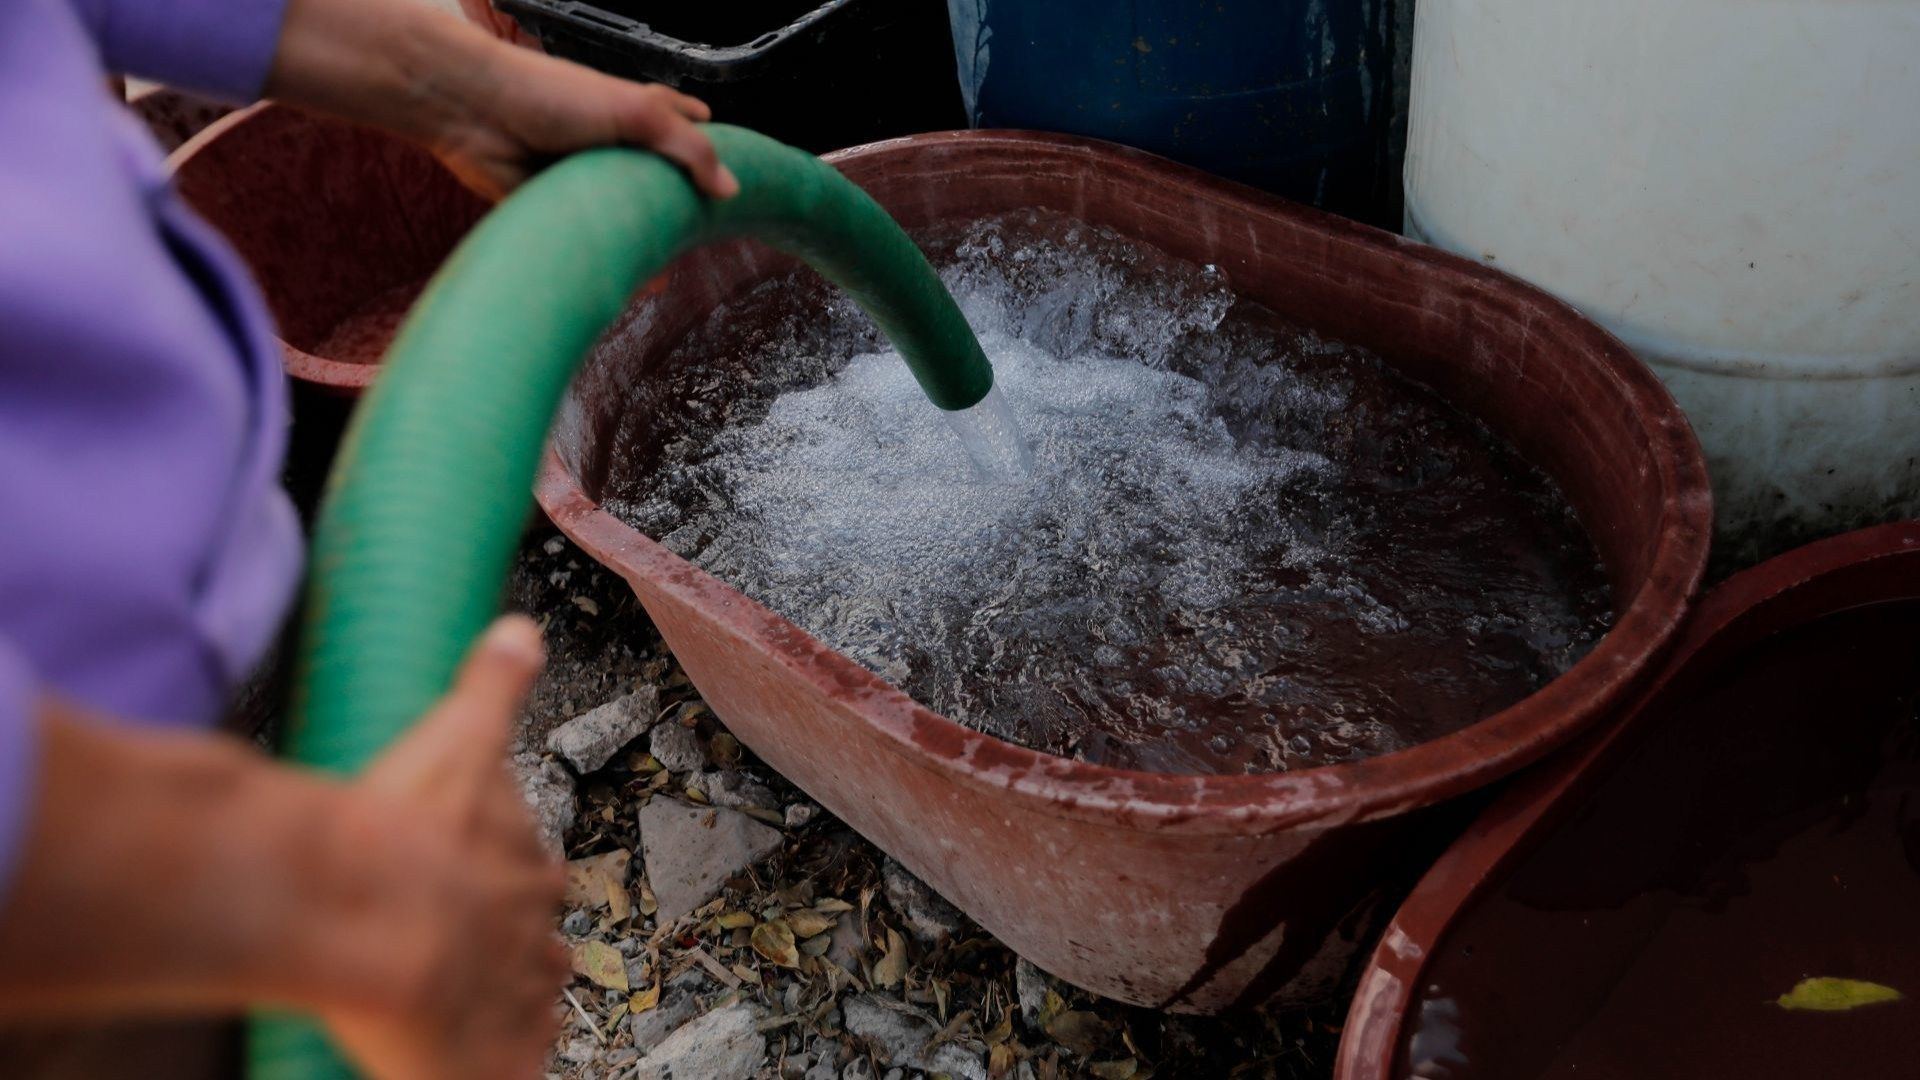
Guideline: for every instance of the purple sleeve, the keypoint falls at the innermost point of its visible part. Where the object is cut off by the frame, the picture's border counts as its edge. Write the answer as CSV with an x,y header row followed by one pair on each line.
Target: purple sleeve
x,y
18,691
219,47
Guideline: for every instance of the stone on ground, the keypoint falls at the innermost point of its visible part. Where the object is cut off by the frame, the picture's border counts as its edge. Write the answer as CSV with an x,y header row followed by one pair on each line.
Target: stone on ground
x,y
730,787
723,1045
549,794
1030,986
677,747
899,1035
588,741
678,1004
691,851
930,919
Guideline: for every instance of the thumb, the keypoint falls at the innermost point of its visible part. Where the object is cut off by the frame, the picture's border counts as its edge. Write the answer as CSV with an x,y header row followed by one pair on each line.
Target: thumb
x,y
475,720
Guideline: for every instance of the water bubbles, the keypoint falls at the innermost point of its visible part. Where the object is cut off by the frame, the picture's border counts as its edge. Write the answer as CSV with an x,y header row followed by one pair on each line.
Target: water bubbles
x,y
1240,548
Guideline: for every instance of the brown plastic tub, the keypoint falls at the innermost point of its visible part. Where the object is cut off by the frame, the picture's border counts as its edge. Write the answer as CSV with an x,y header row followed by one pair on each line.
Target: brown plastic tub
x,y
174,116
340,224
1791,687
1185,892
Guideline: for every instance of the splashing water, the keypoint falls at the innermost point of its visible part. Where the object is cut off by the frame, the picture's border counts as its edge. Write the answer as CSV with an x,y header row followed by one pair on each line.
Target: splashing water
x,y
993,440
1241,548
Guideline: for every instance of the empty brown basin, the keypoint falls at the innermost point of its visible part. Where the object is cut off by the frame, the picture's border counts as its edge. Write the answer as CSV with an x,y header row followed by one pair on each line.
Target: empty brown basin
x,y
341,226
174,116
1639,906
1186,892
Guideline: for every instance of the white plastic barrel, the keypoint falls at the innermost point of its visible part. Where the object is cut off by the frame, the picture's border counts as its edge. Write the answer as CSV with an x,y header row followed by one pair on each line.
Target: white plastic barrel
x,y
1732,187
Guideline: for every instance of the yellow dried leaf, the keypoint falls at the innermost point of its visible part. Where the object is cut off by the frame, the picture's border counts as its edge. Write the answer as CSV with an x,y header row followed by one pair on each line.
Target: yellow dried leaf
x,y
645,1001
832,906
734,920
774,941
694,794
724,748
614,1016
808,923
648,905
1001,1031
1079,1031
746,974
1836,995
1051,1006
765,816
890,969
1000,1060
600,964
619,901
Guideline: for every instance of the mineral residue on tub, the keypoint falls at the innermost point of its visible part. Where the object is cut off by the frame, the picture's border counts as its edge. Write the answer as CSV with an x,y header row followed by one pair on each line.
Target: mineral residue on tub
x,y
1242,548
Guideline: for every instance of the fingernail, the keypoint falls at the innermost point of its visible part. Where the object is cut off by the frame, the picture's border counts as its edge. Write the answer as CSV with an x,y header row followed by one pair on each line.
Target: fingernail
x,y
729,183
516,636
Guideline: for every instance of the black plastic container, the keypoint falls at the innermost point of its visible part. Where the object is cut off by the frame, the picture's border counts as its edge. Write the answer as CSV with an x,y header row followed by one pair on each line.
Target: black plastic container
x,y
818,75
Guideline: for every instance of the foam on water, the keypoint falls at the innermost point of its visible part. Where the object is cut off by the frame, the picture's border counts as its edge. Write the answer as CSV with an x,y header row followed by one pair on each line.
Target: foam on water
x,y
1240,548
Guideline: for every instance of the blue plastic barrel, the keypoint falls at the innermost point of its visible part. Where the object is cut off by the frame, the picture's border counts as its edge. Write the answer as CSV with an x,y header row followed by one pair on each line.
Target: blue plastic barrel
x,y
1294,96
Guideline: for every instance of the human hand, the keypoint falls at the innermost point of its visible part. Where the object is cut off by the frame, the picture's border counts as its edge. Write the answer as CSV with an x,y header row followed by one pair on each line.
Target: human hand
x,y
458,887
493,112
534,108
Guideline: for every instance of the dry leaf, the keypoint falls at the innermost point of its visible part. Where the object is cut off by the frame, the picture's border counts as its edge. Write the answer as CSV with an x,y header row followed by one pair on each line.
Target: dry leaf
x,y
619,1011
1000,1060
648,905
645,1001
765,816
808,923
774,940
619,901
1835,995
1079,1031
1051,1006
890,969
591,880
1002,1031
601,964
746,974
724,748
694,794
832,906
586,604
734,920
1114,1070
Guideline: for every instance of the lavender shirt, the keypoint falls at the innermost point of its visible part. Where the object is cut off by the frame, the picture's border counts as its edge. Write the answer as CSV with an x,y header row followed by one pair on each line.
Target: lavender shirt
x,y
146,551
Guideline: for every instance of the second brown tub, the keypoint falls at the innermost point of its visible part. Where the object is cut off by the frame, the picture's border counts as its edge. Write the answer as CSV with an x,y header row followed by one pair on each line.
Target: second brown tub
x,y
1194,893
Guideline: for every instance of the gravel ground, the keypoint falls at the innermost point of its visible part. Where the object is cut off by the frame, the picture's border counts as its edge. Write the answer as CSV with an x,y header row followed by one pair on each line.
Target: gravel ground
x,y
806,954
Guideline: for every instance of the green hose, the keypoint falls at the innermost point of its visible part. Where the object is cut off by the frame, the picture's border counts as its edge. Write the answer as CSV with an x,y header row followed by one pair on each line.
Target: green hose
x,y
431,489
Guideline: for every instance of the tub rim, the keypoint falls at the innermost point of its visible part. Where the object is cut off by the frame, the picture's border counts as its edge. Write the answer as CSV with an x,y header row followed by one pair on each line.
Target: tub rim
x,y
1247,805
1806,583
333,376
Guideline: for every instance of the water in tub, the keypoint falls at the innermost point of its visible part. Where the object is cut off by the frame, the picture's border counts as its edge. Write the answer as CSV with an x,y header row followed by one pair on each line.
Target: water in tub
x,y
1239,548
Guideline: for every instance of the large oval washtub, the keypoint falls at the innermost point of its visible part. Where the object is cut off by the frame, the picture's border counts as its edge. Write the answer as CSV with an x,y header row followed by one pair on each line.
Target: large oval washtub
x,y
340,224
1654,903
1186,892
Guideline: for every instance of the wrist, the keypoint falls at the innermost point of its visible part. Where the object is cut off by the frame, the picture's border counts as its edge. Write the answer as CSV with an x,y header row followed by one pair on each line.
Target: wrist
x,y
408,68
343,941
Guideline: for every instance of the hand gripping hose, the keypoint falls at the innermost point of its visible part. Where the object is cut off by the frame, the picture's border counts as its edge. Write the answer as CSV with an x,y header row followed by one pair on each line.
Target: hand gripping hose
x,y
431,489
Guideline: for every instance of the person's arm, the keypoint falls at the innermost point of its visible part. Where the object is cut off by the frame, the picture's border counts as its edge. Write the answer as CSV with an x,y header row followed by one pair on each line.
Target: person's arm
x,y
167,872
495,113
